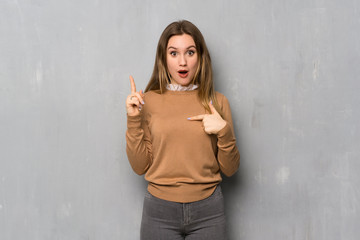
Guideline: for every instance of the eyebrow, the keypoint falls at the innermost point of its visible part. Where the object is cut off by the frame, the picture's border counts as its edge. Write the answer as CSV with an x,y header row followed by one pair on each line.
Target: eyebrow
x,y
192,46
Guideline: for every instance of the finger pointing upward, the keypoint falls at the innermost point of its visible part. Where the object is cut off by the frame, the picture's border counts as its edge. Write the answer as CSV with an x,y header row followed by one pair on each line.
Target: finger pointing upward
x,y
139,95
132,83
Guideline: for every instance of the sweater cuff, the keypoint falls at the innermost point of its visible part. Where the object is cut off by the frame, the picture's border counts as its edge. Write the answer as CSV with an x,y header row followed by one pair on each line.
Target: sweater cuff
x,y
134,121
225,134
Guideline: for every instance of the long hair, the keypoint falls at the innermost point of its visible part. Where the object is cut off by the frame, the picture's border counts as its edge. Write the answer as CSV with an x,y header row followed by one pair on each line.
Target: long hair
x,y
203,76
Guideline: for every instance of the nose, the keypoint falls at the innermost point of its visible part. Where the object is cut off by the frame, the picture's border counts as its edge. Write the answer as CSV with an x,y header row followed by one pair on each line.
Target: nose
x,y
182,60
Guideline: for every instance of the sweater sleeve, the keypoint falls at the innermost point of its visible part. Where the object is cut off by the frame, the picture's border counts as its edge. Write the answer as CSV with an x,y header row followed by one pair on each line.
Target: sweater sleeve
x,y
138,144
228,155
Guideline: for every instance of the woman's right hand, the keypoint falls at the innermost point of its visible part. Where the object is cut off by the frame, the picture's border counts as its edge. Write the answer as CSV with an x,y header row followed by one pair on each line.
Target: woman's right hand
x,y
135,100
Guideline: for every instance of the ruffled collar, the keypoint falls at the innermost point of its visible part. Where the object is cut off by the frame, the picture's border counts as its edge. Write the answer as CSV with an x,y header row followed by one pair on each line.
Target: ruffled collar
x,y
176,87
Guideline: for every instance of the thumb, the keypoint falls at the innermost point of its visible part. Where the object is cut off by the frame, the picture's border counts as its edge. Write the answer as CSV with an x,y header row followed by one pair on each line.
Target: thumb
x,y
213,109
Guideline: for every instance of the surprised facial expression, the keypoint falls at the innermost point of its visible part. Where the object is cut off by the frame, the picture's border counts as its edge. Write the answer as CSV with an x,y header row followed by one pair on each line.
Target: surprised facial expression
x,y
181,59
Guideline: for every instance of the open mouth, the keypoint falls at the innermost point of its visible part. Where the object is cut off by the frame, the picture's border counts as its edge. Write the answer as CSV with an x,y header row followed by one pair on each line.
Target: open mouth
x,y
183,73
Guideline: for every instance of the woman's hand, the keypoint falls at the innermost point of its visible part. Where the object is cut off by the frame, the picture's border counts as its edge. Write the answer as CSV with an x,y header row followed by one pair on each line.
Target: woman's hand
x,y
135,100
212,123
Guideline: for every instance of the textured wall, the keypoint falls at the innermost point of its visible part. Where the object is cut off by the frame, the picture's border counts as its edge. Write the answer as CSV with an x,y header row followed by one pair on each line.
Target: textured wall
x,y
289,68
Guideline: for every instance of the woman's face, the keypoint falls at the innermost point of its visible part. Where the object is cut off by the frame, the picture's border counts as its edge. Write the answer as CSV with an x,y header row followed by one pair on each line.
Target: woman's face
x,y
181,59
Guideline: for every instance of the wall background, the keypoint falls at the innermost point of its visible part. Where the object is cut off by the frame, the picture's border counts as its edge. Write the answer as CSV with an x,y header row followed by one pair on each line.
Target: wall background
x,y
289,68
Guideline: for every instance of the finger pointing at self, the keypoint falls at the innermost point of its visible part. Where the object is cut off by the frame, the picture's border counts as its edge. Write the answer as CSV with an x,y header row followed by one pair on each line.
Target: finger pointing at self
x,y
212,123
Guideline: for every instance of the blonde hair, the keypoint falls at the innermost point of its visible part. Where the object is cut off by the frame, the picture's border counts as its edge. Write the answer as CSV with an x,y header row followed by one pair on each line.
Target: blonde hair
x,y
203,76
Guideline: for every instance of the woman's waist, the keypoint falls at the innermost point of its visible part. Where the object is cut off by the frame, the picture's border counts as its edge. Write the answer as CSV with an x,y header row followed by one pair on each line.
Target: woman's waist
x,y
183,189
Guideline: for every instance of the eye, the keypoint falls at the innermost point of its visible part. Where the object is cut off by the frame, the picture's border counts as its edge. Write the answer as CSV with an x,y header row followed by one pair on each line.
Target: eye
x,y
173,53
191,52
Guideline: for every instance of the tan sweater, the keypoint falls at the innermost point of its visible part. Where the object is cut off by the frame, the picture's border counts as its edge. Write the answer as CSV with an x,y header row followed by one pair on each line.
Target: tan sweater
x,y
180,161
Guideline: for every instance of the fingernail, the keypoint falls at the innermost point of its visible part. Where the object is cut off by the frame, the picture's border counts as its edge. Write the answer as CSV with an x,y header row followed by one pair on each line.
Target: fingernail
x,y
211,102
142,102
188,118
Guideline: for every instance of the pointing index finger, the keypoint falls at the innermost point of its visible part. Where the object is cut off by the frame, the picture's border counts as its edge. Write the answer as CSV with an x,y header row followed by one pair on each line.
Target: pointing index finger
x,y
132,83
196,118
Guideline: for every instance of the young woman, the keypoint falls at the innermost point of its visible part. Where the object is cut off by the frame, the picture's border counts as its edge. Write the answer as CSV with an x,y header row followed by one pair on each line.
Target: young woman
x,y
180,135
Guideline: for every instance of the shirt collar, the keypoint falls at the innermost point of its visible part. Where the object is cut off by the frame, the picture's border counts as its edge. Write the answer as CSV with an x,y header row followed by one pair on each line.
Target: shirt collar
x,y
177,87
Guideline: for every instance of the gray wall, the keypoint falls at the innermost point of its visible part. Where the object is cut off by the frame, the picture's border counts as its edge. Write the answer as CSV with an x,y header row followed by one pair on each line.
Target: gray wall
x,y
289,68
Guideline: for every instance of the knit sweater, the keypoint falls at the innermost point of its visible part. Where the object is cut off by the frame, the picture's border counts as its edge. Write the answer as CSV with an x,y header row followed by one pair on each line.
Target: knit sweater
x,y
180,161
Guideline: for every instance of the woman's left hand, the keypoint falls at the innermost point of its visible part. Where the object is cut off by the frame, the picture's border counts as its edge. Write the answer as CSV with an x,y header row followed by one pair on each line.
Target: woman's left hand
x,y
212,123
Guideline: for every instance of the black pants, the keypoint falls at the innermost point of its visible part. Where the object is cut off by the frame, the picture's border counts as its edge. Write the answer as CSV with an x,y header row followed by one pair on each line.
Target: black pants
x,y
165,220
